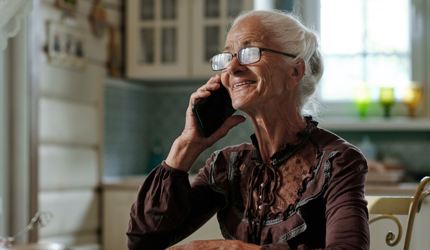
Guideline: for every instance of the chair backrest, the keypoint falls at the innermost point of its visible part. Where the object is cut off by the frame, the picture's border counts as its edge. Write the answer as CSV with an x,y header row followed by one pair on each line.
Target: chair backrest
x,y
410,216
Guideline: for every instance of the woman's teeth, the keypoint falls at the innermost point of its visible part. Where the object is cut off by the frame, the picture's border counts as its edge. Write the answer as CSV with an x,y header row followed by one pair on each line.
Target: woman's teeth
x,y
239,84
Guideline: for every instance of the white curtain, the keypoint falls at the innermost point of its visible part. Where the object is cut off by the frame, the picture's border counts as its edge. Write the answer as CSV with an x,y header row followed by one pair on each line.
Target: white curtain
x,y
12,12
14,86
3,147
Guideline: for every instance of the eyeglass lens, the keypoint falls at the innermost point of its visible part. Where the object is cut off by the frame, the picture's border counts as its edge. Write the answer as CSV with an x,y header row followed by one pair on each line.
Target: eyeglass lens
x,y
245,56
249,55
221,61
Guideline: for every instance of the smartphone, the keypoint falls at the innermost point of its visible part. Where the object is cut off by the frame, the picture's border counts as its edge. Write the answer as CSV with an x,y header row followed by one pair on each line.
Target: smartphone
x,y
211,112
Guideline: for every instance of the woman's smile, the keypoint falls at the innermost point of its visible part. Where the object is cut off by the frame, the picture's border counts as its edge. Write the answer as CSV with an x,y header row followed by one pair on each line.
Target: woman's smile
x,y
242,84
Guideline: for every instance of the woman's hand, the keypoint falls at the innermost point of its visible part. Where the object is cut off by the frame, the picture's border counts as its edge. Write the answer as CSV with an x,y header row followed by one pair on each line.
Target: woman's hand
x,y
216,245
187,147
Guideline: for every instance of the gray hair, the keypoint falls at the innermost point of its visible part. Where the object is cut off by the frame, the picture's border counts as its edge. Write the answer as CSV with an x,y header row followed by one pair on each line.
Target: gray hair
x,y
286,30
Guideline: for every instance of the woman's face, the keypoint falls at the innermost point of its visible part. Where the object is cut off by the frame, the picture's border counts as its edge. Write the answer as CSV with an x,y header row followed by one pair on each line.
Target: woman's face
x,y
258,84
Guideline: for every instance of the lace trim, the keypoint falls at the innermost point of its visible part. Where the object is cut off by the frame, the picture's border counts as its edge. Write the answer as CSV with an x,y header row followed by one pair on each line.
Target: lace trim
x,y
292,208
12,12
258,216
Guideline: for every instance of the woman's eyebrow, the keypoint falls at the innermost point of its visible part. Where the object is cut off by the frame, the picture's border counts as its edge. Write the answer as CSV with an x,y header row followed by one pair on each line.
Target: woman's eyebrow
x,y
246,43
243,44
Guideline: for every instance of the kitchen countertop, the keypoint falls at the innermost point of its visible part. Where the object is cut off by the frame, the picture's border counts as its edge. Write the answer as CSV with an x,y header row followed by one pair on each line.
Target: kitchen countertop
x,y
122,183
133,183
402,188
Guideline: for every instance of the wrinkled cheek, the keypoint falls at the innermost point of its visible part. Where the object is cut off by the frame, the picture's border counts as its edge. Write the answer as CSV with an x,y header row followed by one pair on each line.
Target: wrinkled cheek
x,y
267,80
276,81
224,79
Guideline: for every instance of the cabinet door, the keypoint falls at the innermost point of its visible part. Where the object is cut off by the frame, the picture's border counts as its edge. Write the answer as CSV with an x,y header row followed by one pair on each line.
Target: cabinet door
x,y
116,214
212,19
157,37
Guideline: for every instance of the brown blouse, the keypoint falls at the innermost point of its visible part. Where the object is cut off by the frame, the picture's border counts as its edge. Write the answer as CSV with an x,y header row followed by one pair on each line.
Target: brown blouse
x,y
309,196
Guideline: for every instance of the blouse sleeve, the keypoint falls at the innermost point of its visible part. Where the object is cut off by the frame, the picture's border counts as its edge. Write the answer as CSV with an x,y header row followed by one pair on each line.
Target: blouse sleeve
x,y
346,208
168,208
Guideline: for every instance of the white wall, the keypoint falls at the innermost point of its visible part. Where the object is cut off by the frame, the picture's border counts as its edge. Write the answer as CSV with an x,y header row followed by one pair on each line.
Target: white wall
x,y
70,133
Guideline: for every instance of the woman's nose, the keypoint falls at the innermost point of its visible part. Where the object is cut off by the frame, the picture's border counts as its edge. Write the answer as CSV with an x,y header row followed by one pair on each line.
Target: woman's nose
x,y
234,66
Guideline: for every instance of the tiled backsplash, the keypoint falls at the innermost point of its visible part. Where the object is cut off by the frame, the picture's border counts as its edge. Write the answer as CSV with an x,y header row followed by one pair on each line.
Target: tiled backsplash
x,y
126,143
141,122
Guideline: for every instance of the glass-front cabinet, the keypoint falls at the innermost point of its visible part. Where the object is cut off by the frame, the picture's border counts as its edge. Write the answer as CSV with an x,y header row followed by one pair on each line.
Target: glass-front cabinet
x,y
212,21
157,33
170,39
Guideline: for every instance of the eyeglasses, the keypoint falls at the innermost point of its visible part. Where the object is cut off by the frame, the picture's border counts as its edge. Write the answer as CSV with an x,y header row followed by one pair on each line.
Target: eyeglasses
x,y
245,56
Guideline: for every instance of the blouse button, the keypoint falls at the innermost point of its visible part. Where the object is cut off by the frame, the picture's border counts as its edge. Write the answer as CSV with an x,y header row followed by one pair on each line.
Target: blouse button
x,y
262,185
260,207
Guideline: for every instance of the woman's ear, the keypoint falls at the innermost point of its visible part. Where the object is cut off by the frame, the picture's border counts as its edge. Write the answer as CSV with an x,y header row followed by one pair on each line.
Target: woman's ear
x,y
299,69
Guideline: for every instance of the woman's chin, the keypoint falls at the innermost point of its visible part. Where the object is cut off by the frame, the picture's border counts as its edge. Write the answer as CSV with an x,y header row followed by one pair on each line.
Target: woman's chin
x,y
239,105
236,104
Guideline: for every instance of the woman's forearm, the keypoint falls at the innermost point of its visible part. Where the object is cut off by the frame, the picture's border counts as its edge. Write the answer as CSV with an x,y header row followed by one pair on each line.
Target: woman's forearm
x,y
182,155
216,245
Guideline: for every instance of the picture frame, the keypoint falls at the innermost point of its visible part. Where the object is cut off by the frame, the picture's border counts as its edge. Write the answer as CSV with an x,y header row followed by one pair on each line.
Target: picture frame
x,y
67,6
65,46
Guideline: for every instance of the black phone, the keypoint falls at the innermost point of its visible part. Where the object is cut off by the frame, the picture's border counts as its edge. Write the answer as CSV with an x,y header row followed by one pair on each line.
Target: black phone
x,y
211,112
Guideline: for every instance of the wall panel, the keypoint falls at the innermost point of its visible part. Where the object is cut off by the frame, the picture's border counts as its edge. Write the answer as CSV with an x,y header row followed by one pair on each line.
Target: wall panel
x,y
76,85
63,167
73,212
68,123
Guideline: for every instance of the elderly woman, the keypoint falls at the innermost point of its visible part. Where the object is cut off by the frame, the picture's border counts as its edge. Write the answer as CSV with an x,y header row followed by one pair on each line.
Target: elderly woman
x,y
296,186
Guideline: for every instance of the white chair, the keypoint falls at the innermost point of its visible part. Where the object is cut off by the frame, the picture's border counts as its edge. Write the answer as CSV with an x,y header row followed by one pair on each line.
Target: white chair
x,y
409,213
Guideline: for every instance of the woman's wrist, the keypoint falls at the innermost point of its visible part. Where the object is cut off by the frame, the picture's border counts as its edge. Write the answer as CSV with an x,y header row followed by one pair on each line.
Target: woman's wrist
x,y
182,155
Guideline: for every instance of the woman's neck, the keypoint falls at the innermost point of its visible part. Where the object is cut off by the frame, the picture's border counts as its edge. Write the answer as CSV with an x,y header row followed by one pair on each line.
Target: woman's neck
x,y
276,129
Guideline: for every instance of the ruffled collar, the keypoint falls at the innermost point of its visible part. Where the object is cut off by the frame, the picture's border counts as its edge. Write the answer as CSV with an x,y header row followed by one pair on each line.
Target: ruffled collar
x,y
288,149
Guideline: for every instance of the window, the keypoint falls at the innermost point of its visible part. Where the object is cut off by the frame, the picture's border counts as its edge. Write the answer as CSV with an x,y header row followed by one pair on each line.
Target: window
x,y
364,42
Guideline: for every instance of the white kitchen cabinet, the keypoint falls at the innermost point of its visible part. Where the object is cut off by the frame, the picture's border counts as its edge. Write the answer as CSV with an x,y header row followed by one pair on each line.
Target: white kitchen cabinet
x,y
171,39
116,213
212,19
157,33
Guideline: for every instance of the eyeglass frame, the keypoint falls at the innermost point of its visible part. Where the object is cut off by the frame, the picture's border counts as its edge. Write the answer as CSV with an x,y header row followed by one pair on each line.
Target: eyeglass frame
x,y
259,52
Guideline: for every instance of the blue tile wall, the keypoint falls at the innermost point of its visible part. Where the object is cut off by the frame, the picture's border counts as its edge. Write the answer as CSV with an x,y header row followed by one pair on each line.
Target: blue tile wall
x,y
125,133
142,120
286,5
167,117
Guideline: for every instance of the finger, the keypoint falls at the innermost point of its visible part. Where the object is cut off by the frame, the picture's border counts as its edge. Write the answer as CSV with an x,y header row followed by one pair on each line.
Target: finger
x,y
213,83
215,78
212,86
198,95
204,91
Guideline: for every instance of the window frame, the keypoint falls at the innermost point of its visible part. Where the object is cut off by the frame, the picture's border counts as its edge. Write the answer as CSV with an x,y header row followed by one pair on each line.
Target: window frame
x,y
309,11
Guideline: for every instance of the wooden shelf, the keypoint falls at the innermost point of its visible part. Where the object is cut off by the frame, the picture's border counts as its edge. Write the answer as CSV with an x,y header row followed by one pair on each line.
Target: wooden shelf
x,y
375,124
